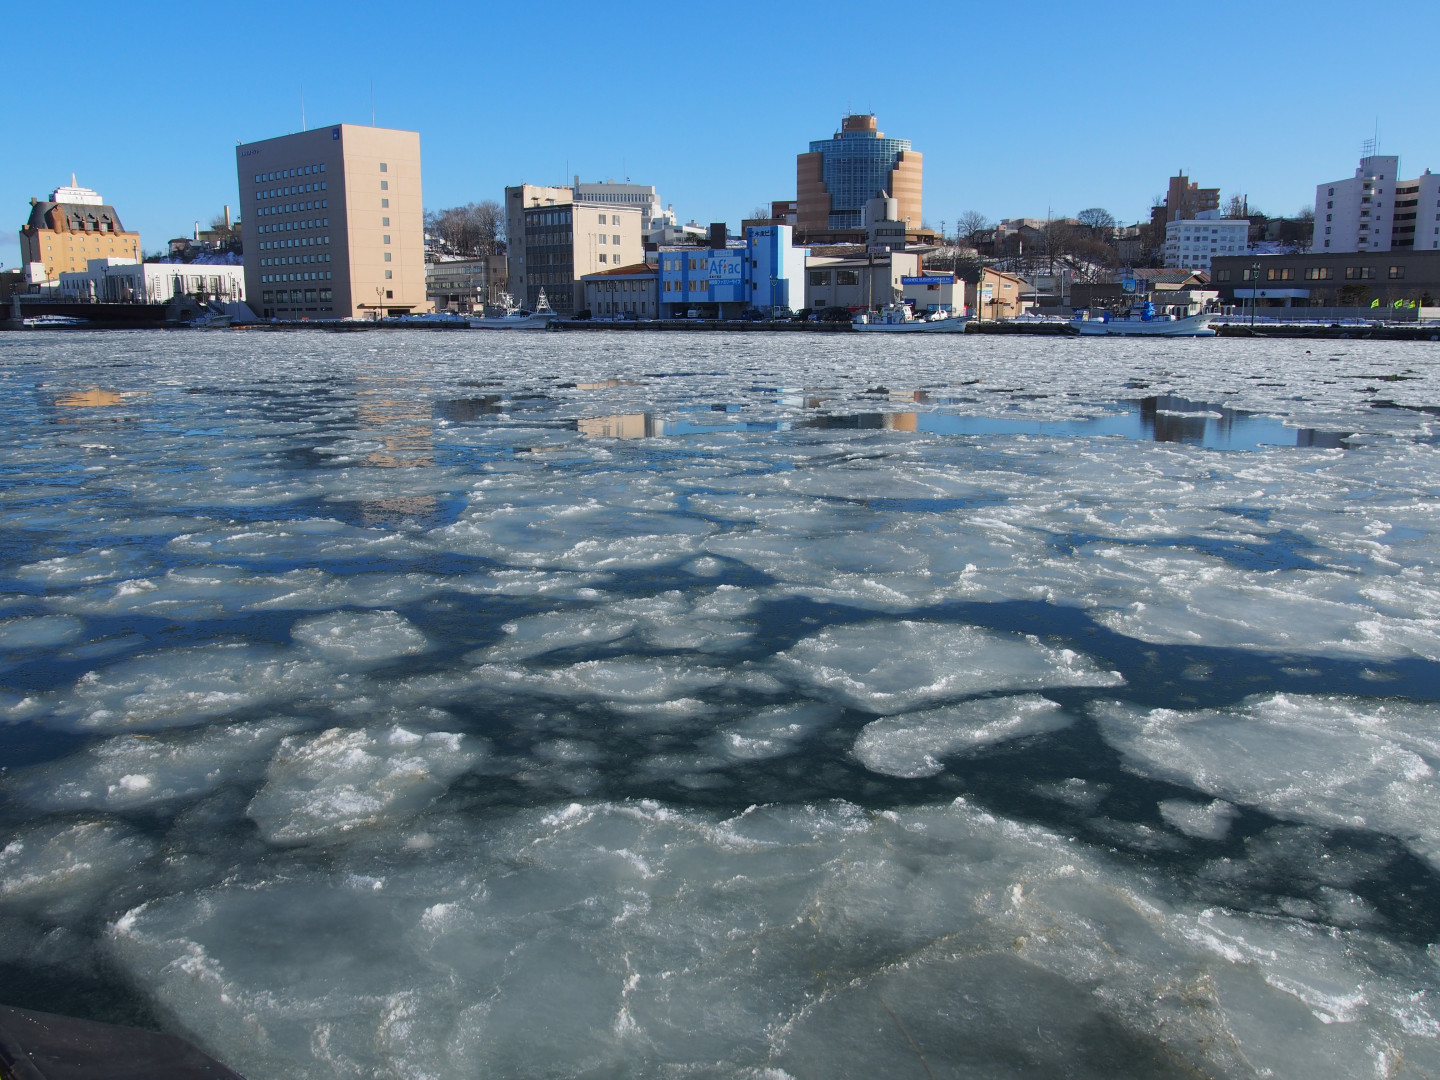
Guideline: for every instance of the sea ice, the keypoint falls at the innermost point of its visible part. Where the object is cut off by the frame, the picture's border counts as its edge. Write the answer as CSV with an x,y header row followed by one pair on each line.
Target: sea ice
x,y
1340,762
911,745
323,786
360,637
895,666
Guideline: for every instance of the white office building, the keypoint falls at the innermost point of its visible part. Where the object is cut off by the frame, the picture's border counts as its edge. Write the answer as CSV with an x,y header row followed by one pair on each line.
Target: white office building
x,y
123,281
1376,211
1190,243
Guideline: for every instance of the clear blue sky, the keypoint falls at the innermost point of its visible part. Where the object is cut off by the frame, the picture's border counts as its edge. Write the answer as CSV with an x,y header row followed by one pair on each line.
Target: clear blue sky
x,y
1018,108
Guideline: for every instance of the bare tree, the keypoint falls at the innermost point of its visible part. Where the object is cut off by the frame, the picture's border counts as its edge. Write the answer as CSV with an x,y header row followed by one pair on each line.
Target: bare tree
x,y
1098,220
1057,238
758,213
1237,206
974,227
470,231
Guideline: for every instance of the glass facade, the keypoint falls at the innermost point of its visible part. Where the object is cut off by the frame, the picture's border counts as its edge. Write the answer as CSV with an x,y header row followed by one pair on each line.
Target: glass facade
x,y
857,165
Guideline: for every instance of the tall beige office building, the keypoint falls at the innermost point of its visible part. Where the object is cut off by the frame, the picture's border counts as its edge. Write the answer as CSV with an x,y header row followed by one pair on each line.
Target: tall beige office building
x,y
333,223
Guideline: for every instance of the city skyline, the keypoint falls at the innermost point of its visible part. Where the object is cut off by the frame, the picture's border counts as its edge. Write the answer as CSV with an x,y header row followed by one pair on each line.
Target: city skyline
x,y
1048,116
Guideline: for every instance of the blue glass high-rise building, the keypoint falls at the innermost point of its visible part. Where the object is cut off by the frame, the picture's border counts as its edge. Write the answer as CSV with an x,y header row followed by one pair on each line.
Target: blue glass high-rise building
x,y
840,174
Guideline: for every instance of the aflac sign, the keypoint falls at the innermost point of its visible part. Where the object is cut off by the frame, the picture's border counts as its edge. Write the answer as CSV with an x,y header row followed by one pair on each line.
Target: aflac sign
x,y
725,270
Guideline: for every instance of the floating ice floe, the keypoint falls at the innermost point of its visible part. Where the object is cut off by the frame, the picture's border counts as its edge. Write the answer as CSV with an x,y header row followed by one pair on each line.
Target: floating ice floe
x,y
130,771
323,786
66,864
911,745
185,686
895,666
1334,761
821,939
38,631
360,637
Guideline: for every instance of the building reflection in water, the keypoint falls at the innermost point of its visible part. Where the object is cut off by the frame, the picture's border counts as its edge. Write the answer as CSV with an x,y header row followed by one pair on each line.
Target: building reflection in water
x,y
464,410
92,398
621,426
404,427
1180,420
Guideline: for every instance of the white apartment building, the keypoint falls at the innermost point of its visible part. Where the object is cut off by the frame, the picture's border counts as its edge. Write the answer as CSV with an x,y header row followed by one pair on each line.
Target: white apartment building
x,y
1190,243
1376,211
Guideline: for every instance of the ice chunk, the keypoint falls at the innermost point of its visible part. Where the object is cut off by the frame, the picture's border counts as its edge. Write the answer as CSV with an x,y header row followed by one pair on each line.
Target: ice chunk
x,y
327,785
626,679
360,637
912,745
890,667
133,770
181,687
1204,821
773,731
1333,761
63,865
38,631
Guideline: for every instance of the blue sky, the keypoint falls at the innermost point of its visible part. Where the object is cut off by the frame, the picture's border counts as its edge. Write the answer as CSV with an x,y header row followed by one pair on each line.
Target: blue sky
x,y
1018,108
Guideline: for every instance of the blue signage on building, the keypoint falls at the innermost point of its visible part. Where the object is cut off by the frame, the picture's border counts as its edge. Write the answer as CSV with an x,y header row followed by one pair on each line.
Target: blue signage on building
x,y
725,270
929,279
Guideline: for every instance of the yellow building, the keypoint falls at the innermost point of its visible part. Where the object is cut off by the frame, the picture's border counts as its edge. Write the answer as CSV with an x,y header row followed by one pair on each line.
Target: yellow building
x,y
72,228
333,223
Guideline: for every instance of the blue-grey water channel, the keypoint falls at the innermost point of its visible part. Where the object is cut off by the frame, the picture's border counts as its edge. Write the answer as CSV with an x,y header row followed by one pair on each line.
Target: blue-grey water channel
x,y
438,704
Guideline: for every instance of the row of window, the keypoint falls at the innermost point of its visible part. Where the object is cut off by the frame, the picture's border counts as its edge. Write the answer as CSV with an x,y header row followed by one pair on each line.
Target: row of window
x,y
284,296
313,275
294,226
842,277
294,189
293,208
285,174
1314,273
291,260
623,286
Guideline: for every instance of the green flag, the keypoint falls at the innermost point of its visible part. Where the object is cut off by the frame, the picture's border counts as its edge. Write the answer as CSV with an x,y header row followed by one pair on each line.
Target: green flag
x,y
1398,304
1375,302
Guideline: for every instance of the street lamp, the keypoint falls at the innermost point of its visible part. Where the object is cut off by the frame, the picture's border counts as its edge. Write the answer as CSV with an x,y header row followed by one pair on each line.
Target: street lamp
x,y
1254,291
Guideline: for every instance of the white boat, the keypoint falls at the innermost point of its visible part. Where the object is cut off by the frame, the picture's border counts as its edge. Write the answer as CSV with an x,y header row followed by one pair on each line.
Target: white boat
x,y
1145,323
42,322
898,318
518,318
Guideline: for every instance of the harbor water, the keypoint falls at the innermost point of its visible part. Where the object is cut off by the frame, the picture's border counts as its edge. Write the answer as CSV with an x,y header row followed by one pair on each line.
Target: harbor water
x,y
765,706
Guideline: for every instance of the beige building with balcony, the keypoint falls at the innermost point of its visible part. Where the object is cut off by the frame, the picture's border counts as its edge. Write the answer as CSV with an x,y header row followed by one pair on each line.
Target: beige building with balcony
x,y
333,223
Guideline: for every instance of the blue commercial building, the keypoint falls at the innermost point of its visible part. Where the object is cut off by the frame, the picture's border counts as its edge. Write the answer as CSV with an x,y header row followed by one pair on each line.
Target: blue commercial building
x,y
839,175
762,272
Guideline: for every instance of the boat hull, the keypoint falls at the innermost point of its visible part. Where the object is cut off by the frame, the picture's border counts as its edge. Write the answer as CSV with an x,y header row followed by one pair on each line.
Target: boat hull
x,y
939,326
1190,326
510,322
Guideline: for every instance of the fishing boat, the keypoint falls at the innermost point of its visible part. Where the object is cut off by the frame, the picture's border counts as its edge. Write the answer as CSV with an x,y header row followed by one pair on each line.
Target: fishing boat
x,y
1144,322
898,318
517,318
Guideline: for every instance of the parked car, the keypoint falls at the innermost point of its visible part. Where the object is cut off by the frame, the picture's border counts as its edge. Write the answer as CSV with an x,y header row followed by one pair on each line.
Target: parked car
x,y
692,314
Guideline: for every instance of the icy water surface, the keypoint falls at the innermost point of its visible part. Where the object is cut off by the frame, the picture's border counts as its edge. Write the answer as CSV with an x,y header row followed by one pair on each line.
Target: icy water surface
x,y
589,705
